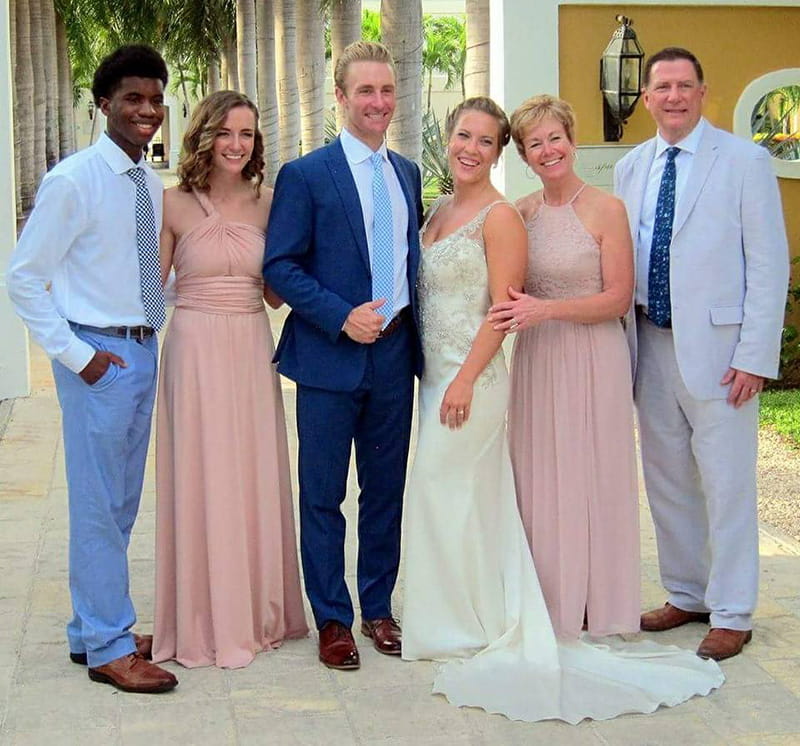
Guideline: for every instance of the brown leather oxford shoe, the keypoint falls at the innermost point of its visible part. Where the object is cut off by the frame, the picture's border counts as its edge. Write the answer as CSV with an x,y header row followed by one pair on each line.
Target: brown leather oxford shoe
x,y
669,617
385,633
337,648
144,647
132,673
721,643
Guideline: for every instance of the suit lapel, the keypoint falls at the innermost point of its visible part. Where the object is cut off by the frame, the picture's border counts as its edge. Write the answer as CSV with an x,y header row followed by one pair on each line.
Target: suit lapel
x,y
638,185
343,180
412,233
702,162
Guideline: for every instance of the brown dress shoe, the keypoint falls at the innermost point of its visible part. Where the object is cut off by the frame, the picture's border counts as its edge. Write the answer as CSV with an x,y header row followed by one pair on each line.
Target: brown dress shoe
x,y
669,617
144,647
132,673
385,633
337,648
721,643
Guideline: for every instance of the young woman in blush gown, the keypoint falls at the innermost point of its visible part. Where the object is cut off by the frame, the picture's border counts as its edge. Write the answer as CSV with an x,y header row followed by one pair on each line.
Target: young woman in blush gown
x,y
227,580
472,598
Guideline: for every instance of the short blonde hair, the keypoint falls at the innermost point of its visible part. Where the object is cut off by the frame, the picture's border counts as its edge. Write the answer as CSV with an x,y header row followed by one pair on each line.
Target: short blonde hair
x,y
360,51
537,108
194,164
485,105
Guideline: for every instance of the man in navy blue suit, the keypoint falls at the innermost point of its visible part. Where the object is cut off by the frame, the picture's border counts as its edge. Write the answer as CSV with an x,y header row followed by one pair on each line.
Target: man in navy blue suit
x,y
343,250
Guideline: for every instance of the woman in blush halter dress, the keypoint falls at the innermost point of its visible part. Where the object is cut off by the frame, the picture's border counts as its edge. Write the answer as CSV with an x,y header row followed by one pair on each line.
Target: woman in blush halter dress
x,y
227,580
472,598
571,412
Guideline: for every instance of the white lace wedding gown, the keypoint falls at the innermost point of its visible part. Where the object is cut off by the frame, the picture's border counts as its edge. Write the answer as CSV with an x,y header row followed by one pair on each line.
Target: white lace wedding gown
x,y
472,597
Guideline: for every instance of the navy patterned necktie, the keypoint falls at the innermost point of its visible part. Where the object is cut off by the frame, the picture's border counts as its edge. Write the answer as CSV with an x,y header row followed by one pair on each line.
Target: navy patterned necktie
x,y
659,309
147,243
382,240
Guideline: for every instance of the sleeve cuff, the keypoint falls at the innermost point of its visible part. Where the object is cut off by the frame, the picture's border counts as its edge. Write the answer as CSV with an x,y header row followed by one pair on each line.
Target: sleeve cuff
x,y
77,355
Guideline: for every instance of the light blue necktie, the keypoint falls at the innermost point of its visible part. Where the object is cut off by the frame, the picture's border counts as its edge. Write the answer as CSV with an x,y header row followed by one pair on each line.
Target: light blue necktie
x,y
147,243
659,309
382,240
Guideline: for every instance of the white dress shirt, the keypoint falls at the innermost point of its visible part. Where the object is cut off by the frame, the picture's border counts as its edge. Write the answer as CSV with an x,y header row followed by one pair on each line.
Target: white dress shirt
x,y
77,258
358,156
683,166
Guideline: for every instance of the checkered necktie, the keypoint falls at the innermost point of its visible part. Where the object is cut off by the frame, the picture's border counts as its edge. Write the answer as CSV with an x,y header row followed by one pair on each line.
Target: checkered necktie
x,y
659,309
382,240
147,242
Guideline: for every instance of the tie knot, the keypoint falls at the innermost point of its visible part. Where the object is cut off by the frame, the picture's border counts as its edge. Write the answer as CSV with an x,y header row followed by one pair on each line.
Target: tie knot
x,y
672,153
136,175
377,159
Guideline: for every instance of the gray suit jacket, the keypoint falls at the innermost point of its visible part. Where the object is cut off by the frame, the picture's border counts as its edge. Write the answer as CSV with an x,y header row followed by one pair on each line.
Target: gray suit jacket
x,y
729,266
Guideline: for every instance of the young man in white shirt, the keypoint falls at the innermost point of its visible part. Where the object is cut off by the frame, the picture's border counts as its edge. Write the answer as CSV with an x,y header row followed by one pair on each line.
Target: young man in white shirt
x,y
85,280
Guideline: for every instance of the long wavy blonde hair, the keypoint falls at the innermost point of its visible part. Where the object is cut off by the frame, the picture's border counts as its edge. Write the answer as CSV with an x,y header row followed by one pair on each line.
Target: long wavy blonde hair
x,y
194,164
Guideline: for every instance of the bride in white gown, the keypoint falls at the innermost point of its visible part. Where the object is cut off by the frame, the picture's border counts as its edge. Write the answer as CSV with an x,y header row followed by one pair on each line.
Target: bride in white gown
x,y
472,597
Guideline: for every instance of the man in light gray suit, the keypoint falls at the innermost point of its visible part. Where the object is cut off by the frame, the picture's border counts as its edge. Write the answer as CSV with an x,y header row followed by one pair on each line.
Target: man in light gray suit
x,y
712,274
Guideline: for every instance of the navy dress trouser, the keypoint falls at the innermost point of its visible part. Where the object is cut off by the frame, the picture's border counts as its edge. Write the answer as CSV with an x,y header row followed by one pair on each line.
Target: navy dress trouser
x,y
376,417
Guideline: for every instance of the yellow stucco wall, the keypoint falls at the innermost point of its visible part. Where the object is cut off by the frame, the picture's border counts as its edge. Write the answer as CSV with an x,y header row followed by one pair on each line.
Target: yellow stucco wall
x,y
734,44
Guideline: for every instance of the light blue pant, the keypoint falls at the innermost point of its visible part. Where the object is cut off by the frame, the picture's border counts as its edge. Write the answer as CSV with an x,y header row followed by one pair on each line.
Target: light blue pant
x,y
106,431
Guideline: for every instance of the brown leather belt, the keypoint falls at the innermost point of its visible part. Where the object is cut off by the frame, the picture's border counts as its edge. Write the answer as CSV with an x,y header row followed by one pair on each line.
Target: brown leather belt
x,y
395,323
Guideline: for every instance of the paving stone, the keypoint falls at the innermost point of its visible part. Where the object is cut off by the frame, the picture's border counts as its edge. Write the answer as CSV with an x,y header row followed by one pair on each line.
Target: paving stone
x,y
740,711
165,720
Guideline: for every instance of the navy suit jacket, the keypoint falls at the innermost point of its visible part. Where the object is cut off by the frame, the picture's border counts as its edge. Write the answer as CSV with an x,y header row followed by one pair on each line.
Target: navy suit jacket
x,y
317,260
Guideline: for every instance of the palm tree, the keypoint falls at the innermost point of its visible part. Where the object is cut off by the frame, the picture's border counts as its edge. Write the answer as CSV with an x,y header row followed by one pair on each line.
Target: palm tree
x,y
345,28
12,24
476,71
26,120
286,78
246,46
401,32
267,98
444,52
66,115
311,73
37,43
50,59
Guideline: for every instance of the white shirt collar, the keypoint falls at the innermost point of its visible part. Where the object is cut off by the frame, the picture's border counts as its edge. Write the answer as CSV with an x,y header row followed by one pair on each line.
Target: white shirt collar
x,y
116,158
357,151
689,143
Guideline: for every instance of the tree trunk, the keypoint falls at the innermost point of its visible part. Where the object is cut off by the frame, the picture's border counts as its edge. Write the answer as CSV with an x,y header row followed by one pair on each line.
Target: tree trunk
x,y
12,23
50,54
37,43
311,74
246,46
476,69
286,77
267,98
66,115
213,76
230,67
24,85
345,29
401,32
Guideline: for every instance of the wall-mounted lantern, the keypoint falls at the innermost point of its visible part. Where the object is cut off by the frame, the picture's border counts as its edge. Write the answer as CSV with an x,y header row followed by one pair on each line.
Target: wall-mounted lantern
x,y
620,78
90,108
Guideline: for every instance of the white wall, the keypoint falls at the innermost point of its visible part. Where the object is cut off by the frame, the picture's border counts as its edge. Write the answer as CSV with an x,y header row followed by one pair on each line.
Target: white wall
x,y
14,368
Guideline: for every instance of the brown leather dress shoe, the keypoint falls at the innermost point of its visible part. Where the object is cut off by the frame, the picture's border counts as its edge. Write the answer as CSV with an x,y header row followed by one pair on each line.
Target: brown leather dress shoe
x,y
669,617
385,633
337,648
132,673
144,647
721,643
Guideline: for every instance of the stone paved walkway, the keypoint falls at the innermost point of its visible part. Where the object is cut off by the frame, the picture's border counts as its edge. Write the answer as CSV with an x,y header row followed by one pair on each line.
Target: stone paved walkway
x,y
286,697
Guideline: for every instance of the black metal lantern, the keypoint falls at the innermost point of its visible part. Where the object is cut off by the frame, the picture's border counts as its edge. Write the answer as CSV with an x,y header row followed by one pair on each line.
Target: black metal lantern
x,y
620,78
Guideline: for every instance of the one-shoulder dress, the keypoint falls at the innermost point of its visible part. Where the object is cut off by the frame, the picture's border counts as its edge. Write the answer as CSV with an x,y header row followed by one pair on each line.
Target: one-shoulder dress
x,y
227,579
472,598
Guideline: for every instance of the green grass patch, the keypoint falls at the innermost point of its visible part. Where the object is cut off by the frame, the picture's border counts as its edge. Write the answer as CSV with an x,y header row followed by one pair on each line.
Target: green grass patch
x,y
780,409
